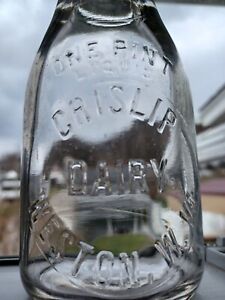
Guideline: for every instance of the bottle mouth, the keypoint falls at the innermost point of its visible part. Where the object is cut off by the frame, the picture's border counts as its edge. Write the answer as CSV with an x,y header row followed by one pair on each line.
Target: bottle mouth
x,y
108,13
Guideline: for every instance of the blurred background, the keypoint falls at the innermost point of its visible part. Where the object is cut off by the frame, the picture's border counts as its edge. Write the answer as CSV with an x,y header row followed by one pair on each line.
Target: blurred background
x,y
198,32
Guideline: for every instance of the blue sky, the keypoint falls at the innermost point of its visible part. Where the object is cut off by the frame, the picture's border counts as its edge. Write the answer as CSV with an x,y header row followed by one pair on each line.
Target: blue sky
x,y
198,32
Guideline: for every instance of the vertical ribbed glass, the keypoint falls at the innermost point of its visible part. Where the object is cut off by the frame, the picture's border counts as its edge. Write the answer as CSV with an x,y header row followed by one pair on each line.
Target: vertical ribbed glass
x,y
110,192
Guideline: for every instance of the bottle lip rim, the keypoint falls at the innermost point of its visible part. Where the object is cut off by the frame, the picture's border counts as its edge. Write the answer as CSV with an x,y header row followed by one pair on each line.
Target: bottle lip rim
x,y
107,20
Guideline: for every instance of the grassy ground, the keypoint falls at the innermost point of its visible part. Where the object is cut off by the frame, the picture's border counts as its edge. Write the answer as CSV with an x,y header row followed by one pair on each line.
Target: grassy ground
x,y
9,227
122,243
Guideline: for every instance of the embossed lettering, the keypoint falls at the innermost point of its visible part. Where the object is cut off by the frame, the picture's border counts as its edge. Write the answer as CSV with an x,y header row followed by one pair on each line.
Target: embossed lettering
x,y
102,184
128,267
143,53
69,55
85,249
131,266
168,120
168,246
116,91
159,172
80,110
77,178
190,199
153,115
167,63
187,213
47,231
38,210
134,108
93,52
104,256
135,172
61,123
150,53
137,175
73,56
64,122
135,267
119,45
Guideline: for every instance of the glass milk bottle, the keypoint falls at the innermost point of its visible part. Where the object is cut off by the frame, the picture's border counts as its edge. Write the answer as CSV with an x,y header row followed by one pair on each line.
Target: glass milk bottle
x,y
110,192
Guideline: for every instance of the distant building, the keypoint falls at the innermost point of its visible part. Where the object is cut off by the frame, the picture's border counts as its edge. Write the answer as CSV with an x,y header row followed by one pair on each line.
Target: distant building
x,y
211,153
9,177
211,131
9,186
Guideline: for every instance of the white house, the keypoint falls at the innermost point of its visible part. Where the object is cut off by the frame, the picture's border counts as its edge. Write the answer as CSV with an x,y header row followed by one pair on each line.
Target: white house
x,y
211,141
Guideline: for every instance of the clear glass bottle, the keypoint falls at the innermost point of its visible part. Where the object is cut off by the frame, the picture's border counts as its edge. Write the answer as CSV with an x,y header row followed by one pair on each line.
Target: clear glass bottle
x,y
110,192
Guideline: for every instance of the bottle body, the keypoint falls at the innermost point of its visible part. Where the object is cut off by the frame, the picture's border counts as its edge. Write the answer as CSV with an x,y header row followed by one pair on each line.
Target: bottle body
x,y
110,182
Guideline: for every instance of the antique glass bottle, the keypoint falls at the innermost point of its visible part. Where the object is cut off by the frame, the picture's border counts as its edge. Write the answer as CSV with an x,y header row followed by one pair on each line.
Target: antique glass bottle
x,y
110,193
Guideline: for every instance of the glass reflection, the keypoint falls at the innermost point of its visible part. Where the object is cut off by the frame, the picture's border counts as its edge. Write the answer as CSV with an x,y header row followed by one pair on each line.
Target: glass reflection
x,y
211,152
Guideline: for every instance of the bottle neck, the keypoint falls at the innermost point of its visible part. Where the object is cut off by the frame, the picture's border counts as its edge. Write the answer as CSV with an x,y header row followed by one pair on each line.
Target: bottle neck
x,y
108,12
